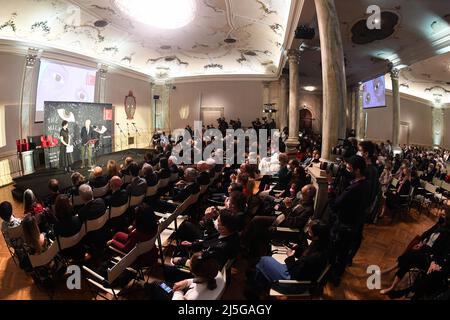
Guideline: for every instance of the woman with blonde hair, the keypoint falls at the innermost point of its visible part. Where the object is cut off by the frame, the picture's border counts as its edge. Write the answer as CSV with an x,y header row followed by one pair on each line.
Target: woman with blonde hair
x,y
35,241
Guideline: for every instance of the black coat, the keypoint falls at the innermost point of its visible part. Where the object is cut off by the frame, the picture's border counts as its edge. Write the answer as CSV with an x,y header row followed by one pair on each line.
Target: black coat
x,y
222,249
309,266
118,198
92,210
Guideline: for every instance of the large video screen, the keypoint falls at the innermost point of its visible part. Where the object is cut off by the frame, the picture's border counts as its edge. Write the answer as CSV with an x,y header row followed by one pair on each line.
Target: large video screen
x,y
62,82
374,93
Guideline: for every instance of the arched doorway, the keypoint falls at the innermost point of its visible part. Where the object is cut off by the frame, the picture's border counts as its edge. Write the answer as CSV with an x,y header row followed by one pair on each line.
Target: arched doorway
x,y
306,121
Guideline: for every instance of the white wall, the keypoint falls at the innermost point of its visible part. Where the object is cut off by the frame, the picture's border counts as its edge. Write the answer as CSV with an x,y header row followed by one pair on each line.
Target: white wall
x,y
313,102
241,99
446,139
11,74
417,114
117,88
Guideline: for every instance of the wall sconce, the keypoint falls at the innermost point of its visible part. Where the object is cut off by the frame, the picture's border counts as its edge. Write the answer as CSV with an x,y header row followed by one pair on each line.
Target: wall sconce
x,y
184,112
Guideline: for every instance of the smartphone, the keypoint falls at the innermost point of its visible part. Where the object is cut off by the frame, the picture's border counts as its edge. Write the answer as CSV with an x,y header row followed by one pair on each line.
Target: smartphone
x,y
165,287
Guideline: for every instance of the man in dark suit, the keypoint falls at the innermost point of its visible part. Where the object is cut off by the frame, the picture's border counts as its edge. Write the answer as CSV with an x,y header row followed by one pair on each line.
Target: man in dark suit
x,y
93,208
187,186
138,186
118,196
222,246
87,133
98,180
296,214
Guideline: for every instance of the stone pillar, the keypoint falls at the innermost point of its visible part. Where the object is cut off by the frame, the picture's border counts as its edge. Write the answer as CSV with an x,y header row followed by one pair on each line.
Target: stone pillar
x,y
438,125
266,92
27,96
395,107
333,74
360,116
100,92
284,102
355,107
292,142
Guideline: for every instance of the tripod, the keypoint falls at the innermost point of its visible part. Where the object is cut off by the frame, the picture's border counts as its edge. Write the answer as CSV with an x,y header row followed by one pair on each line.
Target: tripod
x,y
137,134
122,133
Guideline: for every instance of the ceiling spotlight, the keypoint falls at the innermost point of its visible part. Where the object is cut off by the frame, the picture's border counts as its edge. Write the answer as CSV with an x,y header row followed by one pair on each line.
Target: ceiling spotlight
x,y
230,40
167,14
310,88
101,23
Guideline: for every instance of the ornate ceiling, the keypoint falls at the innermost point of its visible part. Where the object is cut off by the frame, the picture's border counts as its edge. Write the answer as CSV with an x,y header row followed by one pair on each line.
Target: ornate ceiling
x,y
421,32
198,49
428,79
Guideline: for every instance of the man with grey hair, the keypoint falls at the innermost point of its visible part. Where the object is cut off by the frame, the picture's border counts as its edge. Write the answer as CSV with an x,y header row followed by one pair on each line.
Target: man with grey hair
x,y
187,186
93,208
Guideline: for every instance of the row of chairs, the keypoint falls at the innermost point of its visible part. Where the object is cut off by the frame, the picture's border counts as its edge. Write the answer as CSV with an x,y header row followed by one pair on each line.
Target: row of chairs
x,y
167,226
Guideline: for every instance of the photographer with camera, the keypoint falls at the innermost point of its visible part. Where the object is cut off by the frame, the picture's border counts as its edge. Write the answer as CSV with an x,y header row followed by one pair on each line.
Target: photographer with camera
x,y
347,209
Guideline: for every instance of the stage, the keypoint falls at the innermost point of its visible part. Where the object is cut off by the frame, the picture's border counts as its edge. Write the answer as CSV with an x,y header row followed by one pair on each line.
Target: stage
x,y
38,181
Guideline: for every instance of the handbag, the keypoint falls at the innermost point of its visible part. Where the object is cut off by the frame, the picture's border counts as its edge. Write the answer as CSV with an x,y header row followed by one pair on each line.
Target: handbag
x,y
69,149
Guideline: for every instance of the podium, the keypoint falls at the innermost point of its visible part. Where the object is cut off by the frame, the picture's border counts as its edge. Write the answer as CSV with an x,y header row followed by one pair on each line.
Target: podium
x,y
27,162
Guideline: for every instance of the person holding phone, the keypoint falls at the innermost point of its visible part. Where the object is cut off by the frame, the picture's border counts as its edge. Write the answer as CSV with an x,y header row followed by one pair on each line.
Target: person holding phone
x,y
205,285
65,148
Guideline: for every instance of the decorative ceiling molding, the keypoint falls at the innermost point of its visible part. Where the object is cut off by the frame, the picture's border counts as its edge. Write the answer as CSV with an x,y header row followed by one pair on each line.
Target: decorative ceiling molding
x,y
261,27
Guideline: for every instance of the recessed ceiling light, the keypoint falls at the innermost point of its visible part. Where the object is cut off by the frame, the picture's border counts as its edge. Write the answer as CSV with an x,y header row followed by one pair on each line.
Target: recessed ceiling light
x,y
167,14
101,23
310,88
230,40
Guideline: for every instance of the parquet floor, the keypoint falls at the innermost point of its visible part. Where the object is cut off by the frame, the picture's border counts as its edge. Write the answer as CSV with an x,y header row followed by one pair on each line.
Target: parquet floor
x,y
382,244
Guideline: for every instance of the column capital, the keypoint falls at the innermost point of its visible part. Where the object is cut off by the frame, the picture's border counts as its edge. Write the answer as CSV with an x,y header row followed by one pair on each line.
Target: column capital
x,y
102,70
33,55
293,55
267,84
395,73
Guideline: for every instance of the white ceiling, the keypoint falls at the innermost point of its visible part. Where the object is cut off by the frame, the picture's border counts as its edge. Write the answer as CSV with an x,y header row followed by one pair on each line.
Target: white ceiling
x,y
426,79
198,49
423,32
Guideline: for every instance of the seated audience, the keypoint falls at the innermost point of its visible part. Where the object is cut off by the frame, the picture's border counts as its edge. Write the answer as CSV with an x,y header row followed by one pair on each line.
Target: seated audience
x,y
53,187
150,176
138,186
187,186
9,221
36,241
92,208
117,197
77,180
98,180
433,246
67,224
164,171
143,229
124,168
112,169
394,198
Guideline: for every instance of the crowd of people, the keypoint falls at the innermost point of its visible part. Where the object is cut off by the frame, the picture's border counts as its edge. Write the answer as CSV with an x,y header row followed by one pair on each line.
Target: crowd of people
x,y
242,215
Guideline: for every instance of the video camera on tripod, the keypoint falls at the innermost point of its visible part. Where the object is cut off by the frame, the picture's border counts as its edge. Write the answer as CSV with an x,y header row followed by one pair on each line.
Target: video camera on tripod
x,y
345,149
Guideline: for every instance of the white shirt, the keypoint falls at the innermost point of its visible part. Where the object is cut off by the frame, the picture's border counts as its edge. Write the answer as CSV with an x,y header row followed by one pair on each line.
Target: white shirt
x,y
199,291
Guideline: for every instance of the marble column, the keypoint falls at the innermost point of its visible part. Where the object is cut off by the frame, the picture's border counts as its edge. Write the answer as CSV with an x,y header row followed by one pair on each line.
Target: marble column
x,y
284,102
100,92
333,75
360,116
438,125
395,107
294,60
27,96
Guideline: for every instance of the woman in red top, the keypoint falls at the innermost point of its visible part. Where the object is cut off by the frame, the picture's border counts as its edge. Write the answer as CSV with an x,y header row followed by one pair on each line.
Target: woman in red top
x,y
32,206
144,229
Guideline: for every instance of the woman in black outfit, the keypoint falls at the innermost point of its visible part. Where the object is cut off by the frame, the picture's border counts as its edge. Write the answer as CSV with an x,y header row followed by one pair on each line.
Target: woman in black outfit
x,y
394,198
65,159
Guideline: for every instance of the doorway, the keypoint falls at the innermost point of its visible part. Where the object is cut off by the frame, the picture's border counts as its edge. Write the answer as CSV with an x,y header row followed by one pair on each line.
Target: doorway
x,y
404,133
306,121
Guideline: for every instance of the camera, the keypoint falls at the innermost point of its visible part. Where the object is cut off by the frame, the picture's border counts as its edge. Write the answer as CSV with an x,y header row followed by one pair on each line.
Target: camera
x,y
331,168
344,149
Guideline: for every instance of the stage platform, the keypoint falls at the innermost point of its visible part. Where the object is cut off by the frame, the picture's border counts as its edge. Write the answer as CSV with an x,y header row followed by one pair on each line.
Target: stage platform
x,y
38,181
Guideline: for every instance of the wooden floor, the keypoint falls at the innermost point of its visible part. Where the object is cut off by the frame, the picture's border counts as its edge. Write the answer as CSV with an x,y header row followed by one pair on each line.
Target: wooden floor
x,y
382,245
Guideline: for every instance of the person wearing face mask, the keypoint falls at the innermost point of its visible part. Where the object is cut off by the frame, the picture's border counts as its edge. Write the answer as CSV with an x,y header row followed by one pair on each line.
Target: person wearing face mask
x,y
347,211
296,214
